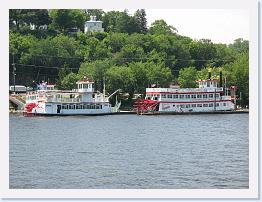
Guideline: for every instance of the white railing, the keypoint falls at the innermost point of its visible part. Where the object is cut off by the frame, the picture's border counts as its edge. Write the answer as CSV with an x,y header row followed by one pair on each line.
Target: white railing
x,y
75,100
185,90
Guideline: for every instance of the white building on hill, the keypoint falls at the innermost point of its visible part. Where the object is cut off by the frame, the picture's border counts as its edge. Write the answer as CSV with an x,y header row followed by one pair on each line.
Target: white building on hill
x,y
93,25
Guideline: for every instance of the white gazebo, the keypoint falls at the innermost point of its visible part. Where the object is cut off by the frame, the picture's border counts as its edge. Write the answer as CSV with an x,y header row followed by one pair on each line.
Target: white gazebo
x,y
93,25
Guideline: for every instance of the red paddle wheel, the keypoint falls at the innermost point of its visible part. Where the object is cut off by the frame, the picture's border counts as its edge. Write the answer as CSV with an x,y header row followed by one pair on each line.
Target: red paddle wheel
x,y
29,107
146,105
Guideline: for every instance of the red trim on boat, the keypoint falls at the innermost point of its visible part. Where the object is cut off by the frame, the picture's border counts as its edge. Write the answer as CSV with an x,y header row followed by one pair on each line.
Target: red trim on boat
x,y
182,92
197,101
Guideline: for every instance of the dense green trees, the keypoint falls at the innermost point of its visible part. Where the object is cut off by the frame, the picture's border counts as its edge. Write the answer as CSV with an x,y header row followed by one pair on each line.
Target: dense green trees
x,y
187,77
24,17
128,55
161,27
65,20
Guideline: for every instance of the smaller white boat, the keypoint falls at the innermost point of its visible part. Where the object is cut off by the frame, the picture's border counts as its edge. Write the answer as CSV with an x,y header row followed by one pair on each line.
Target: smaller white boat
x,y
80,101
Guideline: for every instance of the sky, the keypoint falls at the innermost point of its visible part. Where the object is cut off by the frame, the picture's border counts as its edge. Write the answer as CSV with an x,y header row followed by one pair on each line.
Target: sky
x,y
219,25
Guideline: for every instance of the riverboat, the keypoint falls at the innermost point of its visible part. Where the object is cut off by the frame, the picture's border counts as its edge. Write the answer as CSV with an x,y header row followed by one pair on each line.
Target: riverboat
x,y
81,101
208,97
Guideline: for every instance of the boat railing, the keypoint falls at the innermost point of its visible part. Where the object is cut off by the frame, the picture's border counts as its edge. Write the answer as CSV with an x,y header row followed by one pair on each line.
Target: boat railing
x,y
181,90
74,100
225,97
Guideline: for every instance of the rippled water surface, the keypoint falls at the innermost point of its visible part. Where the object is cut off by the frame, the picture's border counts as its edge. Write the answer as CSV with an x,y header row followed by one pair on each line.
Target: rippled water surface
x,y
129,151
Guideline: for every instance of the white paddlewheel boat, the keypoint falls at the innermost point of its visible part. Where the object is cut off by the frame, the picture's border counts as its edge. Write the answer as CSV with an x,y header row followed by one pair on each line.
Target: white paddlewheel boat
x,y
80,101
208,97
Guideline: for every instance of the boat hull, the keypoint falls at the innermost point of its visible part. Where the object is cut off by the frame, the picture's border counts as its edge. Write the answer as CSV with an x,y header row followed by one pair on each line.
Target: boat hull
x,y
46,114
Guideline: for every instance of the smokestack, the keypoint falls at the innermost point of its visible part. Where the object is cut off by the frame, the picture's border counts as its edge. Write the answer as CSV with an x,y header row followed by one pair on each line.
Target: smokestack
x,y
220,79
209,73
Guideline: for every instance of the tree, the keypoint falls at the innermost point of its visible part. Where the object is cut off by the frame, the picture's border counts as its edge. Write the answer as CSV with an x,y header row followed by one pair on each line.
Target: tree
x,y
20,44
56,51
202,53
240,75
94,12
139,70
158,74
92,49
69,81
37,17
240,45
161,27
223,55
115,41
187,77
120,77
129,53
141,21
66,19
96,71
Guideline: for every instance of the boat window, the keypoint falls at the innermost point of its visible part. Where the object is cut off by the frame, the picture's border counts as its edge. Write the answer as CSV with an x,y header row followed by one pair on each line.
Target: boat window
x,y
225,104
217,94
63,106
193,105
77,106
181,96
187,105
70,106
175,96
211,95
205,96
169,96
199,105
208,84
217,104
163,96
205,105
199,96
211,105
81,106
182,106
188,96
101,106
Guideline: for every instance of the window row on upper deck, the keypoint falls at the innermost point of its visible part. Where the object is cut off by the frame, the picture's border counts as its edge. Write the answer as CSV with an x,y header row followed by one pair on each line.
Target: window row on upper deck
x,y
184,96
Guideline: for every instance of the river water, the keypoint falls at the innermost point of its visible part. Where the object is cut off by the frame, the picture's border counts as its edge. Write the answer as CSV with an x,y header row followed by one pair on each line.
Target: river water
x,y
129,151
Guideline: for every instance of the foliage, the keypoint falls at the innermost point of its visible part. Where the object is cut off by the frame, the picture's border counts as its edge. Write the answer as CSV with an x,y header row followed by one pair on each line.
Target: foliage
x,y
202,52
69,81
240,45
140,18
65,20
187,77
239,70
161,27
120,77
22,17
96,71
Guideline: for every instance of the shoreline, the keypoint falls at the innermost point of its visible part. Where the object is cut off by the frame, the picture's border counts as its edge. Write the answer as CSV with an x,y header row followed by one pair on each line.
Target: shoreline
x,y
20,112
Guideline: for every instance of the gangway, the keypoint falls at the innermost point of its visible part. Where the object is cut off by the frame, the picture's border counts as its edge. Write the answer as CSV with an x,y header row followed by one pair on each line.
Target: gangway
x,y
20,105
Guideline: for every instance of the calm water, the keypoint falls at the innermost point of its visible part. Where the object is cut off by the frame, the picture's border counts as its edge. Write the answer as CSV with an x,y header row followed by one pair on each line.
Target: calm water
x,y
129,151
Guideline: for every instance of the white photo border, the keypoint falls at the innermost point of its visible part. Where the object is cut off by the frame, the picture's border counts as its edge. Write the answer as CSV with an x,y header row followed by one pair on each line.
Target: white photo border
x,y
251,193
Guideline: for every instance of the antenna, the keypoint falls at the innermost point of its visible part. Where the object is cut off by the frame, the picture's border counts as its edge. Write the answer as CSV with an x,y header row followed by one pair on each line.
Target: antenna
x,y
104,87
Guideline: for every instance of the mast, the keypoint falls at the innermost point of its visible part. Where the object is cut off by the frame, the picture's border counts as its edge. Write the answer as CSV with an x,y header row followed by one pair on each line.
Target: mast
x,y
104,89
